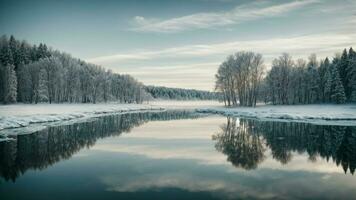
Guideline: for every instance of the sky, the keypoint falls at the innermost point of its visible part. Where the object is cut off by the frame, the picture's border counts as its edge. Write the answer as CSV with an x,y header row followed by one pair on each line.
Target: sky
x,y
181,43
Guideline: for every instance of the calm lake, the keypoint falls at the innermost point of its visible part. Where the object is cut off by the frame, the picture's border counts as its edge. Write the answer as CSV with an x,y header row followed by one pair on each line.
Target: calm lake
x,y
180,155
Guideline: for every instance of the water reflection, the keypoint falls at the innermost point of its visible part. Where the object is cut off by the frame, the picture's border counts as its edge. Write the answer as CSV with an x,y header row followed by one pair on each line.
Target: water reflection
x,y
46,147
245,142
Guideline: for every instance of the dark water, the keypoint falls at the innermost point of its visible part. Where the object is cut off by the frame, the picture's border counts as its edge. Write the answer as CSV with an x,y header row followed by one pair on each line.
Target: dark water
x,y
180,155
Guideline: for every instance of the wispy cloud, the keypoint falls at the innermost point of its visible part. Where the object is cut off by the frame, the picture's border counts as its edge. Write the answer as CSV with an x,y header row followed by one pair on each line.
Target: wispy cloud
x,y
182,66
297,45
204,20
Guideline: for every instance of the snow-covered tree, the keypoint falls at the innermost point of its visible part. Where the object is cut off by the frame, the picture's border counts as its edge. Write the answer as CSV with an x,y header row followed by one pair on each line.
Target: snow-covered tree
x,y
43,95
10,84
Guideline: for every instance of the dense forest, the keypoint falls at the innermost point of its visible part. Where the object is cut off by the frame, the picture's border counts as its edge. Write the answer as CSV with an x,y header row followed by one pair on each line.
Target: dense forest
x,y
181,94
242,81
32,74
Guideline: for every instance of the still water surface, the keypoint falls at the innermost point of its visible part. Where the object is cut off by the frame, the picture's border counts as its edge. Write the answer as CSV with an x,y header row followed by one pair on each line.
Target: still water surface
x,y
180,155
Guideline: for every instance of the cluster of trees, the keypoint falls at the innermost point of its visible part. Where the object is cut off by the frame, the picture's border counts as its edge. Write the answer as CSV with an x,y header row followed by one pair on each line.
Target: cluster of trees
x,y
245,142
241,79
238,78
181,94
32,74
305,82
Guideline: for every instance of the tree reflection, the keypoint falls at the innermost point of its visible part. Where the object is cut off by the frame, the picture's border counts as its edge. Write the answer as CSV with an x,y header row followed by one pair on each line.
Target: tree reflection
x,y
46,147
242,148
244,142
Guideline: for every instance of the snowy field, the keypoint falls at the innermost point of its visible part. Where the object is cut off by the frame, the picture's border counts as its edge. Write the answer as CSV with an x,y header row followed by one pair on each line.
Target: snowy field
x,y
22,115
316,114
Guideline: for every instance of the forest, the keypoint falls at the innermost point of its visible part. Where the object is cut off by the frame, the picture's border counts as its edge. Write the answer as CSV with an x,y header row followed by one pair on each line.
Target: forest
x,y
242,79
33,74
181,94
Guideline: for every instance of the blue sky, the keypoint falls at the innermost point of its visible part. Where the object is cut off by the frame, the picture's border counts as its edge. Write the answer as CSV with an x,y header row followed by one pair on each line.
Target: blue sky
x,y
181,43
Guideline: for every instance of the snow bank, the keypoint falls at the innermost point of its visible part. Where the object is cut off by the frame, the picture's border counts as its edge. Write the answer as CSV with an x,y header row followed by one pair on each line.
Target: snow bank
x,y
317,114
21,115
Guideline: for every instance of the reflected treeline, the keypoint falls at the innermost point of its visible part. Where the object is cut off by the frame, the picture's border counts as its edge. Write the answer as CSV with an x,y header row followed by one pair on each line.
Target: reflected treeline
x,y
46,147
242,148
244,141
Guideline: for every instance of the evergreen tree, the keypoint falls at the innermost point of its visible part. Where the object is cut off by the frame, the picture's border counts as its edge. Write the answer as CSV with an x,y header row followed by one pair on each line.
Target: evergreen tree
x,y
23,83
10,84
43,95
323,69
342,68
13,45
351,75
313,79
6,56
337,89
24,55
328,85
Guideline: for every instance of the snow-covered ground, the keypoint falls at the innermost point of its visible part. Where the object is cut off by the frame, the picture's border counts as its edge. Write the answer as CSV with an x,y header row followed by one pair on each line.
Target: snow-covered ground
x,y
317,114
22,115
40,115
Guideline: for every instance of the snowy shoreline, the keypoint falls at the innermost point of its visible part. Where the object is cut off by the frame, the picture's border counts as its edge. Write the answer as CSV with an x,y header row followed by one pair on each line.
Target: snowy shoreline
x,y
32,116
22,115
316,114
26,115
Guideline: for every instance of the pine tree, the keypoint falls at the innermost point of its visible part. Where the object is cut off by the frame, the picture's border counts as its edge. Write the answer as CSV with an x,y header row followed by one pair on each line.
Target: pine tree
x,y
6,56
23,83
337,89
314,79
351,75
13,45
10,84
328,85
324,67
23,53
43,95
342,68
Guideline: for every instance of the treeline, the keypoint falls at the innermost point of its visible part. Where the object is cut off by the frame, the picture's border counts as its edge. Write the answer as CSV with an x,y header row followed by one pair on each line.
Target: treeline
x,y
288,81
33,74
181,94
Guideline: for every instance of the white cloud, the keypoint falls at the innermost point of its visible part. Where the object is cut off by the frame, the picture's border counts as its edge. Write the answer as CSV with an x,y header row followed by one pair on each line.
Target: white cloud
x,y
194,66
323,44
203,20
